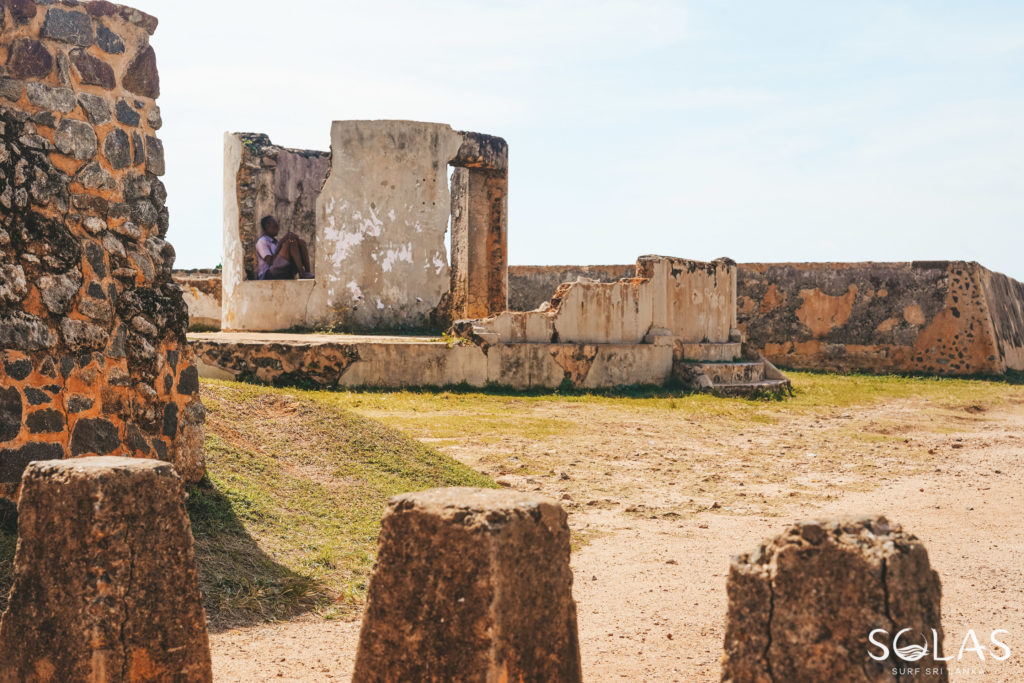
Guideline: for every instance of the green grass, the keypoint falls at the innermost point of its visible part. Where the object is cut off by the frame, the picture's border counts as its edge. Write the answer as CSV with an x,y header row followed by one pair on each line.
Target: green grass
x,y
288,516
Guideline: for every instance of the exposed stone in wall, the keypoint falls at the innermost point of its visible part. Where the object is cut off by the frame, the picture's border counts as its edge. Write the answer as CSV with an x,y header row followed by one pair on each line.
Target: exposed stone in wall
x,y
105,583
201,290
470,585
279,182
954,318
380,258
92,330
802,606
531,286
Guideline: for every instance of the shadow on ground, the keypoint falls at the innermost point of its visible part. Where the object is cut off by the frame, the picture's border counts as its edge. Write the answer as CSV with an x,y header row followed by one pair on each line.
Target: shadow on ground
x,y
241,584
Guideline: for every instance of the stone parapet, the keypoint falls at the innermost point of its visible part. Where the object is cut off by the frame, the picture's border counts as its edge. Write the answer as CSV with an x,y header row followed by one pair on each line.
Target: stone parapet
x,y
935,317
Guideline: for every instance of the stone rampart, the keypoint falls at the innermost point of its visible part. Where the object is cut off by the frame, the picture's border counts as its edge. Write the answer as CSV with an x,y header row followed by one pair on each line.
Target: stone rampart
x,y
93,356
936,317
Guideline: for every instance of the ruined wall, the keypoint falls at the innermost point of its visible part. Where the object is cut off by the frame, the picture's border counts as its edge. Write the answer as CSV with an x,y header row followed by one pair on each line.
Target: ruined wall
x,y
280,182
943,317
201,291
93,356
687,301
531,286
380,258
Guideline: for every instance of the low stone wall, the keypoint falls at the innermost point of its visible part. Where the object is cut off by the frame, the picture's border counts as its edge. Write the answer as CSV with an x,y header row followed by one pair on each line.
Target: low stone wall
x,y
395,362
202,294
945,317
93,356
531,286
688,301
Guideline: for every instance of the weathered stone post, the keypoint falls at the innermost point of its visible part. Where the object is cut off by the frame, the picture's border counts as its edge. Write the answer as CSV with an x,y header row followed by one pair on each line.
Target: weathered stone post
x,y
470,585
803,606
105,583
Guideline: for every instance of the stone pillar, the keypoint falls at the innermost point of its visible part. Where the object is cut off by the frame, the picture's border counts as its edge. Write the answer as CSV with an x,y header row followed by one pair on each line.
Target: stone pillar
x,y
470,585
105,583
802,606
479,187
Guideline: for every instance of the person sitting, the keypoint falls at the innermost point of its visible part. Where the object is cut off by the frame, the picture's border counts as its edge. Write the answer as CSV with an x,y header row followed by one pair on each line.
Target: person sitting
x,y
284,259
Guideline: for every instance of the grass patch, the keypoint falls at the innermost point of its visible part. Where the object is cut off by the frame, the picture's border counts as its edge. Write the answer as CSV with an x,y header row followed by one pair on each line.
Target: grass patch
x,y
288,517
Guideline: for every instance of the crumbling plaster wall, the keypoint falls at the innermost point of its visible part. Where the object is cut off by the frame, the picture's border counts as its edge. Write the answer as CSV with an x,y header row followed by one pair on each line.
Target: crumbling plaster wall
x,y
379,252
678,299
531,286
93,356
941,317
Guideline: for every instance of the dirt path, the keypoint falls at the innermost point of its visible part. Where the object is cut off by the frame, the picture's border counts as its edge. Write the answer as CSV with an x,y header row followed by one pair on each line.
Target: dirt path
x,y
660,502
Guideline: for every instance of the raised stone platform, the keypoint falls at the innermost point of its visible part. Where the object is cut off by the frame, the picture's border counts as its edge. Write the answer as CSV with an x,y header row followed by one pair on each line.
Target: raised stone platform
x,y
330,360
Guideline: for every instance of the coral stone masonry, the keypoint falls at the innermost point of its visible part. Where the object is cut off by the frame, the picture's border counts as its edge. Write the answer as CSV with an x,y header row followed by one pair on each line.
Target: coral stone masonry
x,y
105,581
93,356
470,585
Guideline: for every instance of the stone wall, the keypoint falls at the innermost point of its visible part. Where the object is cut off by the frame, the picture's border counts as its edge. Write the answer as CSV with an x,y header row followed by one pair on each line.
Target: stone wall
x,y
202,293
280,182
531,286
940,317
678,299
93,356
379,227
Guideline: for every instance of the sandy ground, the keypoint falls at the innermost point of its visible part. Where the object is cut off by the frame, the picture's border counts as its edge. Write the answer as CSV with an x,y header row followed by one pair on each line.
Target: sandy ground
x,y
661,503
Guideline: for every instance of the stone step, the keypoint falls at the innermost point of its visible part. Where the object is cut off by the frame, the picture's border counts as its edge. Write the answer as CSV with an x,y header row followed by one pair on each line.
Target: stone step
x,y
765,387
732,373
725,352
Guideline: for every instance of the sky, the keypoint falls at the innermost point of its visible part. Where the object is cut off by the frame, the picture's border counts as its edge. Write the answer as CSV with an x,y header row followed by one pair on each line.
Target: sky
x,y
814,130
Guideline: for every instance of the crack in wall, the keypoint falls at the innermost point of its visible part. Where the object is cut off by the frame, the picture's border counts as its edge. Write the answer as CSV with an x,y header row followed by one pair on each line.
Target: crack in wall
x,y
771,615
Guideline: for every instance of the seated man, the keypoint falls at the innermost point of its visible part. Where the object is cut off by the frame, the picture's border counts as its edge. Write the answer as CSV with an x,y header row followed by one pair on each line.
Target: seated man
x,y
284,259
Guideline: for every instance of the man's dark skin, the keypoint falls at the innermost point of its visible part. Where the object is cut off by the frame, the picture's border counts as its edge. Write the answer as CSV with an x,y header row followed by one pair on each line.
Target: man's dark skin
x,y
291,251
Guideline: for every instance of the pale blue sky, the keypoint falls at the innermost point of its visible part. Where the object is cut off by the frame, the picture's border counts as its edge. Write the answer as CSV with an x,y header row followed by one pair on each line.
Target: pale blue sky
x,y
812,130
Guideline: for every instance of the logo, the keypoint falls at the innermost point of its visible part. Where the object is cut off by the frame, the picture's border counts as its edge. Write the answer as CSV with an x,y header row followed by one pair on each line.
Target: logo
x,y
906,649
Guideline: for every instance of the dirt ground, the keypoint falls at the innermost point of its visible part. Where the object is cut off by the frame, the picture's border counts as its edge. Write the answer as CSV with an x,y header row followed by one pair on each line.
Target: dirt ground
x,y
659,501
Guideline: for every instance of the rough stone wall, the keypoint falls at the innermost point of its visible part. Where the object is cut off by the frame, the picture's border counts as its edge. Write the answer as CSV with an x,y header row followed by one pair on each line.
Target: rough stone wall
x,y
279,182
201,290
946,317
531,286
93,356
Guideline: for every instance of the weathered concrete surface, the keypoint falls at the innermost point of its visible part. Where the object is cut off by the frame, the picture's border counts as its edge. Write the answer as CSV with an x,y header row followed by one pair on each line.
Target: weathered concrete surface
x,y
352,361
531,286
948,317
93,357
377,233
385,209
201,291
470,585
674,299
105,582
802,606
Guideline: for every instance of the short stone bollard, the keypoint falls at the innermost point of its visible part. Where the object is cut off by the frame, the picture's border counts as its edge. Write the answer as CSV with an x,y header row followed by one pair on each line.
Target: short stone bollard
x,y
105,583
470,585
826,600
